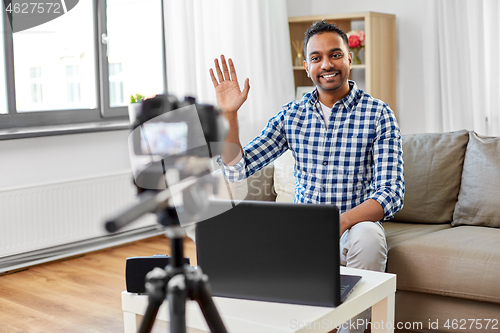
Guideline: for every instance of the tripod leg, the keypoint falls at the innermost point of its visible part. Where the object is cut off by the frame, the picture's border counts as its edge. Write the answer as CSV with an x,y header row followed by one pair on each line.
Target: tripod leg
x,y
203,296
176,296
149,318
155,287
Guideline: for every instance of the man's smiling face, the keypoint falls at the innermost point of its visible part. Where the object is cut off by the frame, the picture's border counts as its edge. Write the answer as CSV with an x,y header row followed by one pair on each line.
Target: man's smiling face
x,y
328,62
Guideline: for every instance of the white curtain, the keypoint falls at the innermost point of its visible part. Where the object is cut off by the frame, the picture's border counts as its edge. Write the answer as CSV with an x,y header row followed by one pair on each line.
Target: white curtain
x,y
254,33
461,62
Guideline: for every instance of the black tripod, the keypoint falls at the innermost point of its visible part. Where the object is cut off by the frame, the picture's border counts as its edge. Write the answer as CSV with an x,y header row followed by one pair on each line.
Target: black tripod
x,y
176,283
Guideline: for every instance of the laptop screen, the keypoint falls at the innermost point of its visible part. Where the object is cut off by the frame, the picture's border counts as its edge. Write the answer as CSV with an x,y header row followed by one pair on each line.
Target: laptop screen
x,y
268,251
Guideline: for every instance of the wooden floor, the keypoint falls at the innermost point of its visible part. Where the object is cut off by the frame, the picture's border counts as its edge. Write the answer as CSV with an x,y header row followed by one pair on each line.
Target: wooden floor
x,y
81,294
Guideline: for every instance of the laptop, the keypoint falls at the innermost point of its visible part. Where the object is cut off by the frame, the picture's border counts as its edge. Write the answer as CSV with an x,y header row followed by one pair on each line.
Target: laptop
x,y
277,252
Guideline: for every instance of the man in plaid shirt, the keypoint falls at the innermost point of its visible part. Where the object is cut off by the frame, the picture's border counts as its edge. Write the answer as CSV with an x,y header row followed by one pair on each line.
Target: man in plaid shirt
x,y
346,144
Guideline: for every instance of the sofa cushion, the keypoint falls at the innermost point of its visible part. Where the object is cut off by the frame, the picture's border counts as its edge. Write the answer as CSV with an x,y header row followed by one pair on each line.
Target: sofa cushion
x,y
258,186
433,170
461,262
284,180
479,192
397,232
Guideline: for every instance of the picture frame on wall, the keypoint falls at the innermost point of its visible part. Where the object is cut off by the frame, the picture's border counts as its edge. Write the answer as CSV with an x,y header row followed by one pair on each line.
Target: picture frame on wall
x,y
301,91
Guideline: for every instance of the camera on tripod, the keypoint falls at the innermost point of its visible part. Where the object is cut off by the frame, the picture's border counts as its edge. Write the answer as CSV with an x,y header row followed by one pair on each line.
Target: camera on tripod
x,y
171,128
171,146
172,134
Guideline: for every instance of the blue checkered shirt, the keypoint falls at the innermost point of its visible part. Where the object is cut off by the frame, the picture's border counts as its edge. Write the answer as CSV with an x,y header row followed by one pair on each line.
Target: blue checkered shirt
x,y
356,156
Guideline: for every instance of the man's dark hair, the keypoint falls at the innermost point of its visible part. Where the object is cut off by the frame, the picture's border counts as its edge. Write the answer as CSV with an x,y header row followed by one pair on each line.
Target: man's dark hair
x,y
320,27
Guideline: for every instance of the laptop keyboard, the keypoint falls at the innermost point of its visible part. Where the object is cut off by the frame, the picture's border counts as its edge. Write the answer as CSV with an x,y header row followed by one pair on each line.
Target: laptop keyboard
x,y
343,288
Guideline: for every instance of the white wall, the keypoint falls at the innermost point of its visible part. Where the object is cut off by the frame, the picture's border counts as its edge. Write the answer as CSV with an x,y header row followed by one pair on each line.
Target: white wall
x,y
52,159
410,20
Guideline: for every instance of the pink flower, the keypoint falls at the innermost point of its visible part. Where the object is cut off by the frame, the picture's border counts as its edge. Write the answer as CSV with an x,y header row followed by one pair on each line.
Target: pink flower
x,y
354,41
361,35
356,37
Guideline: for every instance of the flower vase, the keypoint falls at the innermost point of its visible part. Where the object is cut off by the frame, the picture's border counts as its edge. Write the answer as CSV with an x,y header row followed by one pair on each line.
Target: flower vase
x,y
299,60
356,60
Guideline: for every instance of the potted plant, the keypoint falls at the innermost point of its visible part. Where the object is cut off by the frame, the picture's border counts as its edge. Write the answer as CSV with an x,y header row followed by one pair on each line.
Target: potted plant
x,y
134,106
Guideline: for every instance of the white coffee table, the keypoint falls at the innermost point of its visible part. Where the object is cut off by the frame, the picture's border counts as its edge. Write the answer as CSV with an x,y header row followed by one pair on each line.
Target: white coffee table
x,y
375,289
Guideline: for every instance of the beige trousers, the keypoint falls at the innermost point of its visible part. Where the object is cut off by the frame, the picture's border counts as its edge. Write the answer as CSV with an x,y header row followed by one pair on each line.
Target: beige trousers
x,y
363,246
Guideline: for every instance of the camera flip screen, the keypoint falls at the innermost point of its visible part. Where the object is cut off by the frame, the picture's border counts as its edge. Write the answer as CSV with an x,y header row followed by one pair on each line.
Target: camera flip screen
x,y
166,139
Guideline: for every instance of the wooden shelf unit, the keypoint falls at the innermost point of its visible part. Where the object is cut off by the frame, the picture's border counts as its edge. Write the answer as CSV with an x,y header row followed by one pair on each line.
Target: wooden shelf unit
x,y
380,52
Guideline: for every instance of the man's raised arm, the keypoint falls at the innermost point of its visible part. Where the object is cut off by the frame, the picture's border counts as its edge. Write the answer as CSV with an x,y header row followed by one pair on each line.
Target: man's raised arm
x,y
229,99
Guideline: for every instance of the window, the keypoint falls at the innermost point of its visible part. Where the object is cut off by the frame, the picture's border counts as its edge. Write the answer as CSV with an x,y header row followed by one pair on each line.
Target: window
x,y
65,41
116,85
3,90
72,84
36,84
134,50
82,66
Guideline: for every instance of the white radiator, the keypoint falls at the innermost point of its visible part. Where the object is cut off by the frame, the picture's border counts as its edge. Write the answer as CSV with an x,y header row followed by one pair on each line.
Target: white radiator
x,y
50,215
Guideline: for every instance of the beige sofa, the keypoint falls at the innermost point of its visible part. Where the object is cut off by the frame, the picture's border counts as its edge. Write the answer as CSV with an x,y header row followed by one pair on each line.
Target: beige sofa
x,y
444,245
